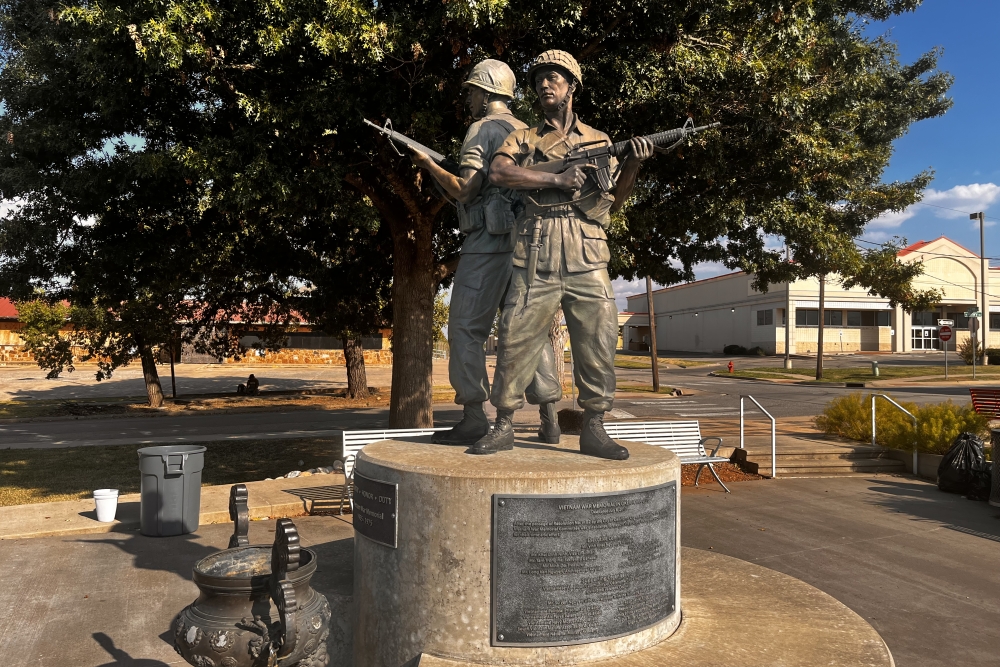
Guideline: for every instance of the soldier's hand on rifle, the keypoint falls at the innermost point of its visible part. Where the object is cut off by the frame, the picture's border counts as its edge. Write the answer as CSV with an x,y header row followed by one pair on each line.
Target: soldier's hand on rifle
x,y
420,158
571,179
642,149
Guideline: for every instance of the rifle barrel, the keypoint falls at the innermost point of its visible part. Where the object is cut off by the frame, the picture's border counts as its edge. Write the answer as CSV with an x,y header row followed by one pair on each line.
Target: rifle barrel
x,y
392,135
661,138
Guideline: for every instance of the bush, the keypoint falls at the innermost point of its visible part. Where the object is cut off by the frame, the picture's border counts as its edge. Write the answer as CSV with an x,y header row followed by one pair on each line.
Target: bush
x,y
965,351
734,349
757,351
993,356
937,424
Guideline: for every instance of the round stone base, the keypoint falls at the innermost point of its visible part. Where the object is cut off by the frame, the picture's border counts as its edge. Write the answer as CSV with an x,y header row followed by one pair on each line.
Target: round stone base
x,y
737,613
608,530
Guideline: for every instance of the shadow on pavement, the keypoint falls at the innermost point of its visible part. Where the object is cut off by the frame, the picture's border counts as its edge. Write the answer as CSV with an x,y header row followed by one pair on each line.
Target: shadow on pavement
x,y
925,502
176,554
121,658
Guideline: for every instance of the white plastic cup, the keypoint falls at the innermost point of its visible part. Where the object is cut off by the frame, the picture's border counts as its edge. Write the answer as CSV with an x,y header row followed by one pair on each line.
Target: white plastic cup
x,y
107,504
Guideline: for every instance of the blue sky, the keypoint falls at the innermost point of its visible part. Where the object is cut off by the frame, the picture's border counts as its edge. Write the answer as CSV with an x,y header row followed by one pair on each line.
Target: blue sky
x,y
962,147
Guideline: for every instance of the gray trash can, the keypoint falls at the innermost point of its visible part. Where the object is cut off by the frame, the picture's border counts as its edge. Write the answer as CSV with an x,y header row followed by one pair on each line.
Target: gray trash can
x,y
170,485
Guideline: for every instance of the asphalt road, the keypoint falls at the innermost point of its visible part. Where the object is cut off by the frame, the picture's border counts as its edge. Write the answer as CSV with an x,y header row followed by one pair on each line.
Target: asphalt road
x,y
711,397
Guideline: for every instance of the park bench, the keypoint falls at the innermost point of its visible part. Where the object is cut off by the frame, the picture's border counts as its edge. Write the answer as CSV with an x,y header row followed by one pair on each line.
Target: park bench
x,y
352,442
986,401
683,438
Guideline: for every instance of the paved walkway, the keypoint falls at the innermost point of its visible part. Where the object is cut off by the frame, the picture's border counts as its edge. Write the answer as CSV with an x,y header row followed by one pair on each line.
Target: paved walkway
x,y
917,564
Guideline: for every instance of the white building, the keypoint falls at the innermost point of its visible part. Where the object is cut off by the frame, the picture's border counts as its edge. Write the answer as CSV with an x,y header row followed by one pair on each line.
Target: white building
x,y
706,315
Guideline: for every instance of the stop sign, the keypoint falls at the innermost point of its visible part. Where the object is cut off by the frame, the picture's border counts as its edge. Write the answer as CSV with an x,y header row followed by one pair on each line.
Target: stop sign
x,y
944,333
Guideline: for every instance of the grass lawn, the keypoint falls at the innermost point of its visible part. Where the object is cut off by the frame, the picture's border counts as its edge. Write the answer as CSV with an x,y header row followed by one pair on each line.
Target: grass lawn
x,y
637,362
648,388
864,373
45,475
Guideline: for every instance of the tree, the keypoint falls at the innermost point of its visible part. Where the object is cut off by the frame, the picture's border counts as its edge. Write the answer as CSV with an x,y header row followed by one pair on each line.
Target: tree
x,y
350,277
261,102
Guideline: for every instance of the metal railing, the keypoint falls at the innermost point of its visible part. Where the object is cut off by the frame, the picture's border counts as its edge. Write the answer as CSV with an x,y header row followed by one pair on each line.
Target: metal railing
x,y
909,414
774,453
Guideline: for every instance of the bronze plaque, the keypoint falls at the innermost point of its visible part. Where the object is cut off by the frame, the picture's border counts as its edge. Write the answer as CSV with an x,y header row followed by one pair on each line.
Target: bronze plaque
x,y
375,509
574,569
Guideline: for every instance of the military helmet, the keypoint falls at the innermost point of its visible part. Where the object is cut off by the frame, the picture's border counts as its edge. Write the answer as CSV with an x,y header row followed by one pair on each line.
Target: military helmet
x,y
492,76
559,59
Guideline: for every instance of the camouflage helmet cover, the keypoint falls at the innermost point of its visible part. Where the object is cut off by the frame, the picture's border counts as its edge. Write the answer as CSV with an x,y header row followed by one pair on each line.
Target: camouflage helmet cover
x,y
559,59
492,76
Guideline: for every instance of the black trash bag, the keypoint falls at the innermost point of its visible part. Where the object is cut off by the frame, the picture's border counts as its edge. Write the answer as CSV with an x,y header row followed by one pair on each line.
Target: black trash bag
x,y
962,467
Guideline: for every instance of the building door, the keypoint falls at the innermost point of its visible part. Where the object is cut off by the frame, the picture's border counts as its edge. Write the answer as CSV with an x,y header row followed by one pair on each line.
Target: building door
x,y
925,338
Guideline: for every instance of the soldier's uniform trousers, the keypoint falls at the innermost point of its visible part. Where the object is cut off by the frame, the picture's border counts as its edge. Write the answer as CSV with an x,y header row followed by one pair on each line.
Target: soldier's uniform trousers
x,y
588,304
480,282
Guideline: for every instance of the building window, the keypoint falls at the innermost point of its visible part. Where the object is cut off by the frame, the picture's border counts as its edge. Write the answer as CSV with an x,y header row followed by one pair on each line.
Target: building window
x,y
962,322
924,319
868,318
806,318
833,318
883,318
765,317
994,320
854,318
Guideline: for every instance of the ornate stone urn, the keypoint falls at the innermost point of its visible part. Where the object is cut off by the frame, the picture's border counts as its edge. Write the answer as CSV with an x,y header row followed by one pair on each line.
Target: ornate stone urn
x,y
256,607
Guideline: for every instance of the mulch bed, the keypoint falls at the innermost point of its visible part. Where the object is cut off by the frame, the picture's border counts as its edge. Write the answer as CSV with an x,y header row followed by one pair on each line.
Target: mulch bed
x,y
728,472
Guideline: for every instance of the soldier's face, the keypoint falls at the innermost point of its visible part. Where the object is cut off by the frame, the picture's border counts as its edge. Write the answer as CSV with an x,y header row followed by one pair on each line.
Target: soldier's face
x,y
551,86
474,100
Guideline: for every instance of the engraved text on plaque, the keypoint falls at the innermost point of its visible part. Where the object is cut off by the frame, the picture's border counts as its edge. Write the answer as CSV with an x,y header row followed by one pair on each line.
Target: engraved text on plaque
x,y
582,568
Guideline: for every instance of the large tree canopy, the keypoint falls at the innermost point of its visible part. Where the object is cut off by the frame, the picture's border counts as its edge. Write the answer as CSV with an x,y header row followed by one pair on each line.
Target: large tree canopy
x,y
257,107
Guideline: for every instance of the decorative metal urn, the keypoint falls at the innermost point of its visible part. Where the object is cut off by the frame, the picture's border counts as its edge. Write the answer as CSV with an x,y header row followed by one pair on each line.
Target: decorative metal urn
x,y
256,607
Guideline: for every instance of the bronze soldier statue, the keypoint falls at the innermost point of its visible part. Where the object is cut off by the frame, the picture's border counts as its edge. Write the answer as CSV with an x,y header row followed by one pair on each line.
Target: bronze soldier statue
x,y
560,258
486,218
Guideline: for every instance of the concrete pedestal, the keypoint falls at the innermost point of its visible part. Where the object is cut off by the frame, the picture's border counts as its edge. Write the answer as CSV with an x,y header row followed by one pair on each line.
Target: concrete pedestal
x,y
430,597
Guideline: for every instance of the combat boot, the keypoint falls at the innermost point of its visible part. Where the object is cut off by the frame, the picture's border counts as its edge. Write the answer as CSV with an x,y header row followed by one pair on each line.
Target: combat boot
x,y
549,429
595,441
473,426
500,437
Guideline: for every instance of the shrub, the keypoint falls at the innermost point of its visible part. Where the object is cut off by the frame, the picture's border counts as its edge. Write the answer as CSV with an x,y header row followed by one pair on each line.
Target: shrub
x,y
993,356
937,424
965,351
734,349
757,351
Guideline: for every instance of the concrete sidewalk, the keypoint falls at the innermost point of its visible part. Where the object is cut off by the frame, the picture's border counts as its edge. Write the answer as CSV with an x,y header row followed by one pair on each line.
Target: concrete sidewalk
x,y
268,499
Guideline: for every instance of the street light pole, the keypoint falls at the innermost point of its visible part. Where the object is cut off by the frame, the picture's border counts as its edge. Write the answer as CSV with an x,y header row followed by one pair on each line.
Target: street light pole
x,y
985,309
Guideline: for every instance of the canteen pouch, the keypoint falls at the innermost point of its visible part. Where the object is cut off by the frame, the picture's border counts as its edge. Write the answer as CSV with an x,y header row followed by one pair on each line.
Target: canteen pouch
x,y
470,217
499,214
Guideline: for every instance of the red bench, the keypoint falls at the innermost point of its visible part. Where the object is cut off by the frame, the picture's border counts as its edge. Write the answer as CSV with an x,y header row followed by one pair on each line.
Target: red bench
x,y
986,401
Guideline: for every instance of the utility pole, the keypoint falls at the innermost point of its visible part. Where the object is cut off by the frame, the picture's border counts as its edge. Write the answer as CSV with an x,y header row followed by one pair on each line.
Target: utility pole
x,y
788,313
652,335
985,309
821,322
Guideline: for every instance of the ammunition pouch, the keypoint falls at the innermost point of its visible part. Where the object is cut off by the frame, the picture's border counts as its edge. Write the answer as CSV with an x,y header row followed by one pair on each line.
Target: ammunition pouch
x,y
498,212
470,216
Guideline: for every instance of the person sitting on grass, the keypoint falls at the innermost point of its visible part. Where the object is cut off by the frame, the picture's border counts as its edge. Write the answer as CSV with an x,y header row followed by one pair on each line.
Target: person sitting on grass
x,y
251,388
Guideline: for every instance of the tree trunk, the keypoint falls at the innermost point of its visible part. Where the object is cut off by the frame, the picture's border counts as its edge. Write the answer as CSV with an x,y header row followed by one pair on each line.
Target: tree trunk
x,y
822,320
354,356
413,287
154,391
557,338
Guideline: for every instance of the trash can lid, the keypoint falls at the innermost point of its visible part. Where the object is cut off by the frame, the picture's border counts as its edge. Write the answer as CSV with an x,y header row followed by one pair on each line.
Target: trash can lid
x,y
171,449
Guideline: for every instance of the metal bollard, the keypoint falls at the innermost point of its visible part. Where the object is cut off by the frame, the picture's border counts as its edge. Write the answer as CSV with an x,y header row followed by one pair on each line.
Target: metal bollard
x,y
875,368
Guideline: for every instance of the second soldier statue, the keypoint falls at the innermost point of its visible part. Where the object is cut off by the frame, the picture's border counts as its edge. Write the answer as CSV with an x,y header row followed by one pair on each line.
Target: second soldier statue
x,y
486,217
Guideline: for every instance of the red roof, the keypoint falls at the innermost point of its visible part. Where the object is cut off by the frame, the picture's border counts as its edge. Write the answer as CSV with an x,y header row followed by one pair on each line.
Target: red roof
x,y
914,247
7,310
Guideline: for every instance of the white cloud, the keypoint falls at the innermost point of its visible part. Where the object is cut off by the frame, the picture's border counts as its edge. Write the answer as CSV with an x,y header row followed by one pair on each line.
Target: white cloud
x,y
8,205
951,204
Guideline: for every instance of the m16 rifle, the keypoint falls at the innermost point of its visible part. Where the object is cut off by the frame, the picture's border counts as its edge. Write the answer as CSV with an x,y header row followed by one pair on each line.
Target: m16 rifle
x,y
445,163
598,157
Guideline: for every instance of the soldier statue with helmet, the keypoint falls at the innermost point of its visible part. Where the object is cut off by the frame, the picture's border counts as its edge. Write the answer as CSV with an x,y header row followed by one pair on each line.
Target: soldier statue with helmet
x,y
560,257
486,217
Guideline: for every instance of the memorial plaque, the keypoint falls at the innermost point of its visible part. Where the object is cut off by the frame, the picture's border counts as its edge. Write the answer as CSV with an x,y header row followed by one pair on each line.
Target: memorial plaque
x,y
574,569
375,509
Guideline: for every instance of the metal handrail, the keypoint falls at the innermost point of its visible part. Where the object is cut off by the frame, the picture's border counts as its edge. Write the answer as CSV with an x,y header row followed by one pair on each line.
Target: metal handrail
x,y
774,452
910,415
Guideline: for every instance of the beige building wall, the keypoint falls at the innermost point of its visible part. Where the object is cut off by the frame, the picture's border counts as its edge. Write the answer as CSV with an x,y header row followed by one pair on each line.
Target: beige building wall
x,y
707,315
